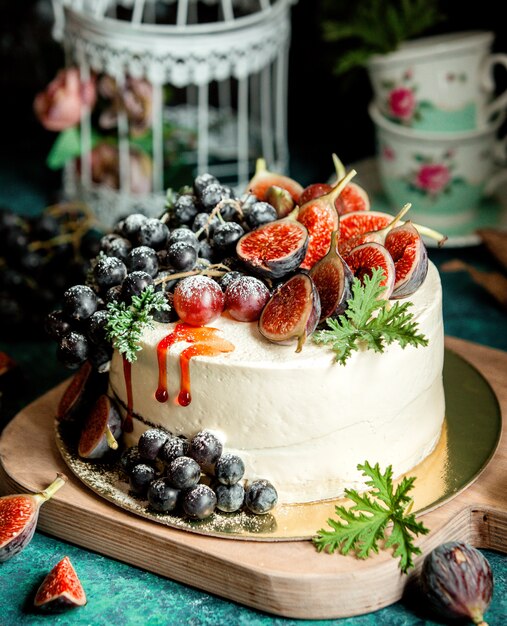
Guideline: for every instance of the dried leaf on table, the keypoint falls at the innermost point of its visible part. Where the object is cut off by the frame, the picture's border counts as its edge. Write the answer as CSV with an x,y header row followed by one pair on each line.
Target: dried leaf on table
x,y
493,282
496,242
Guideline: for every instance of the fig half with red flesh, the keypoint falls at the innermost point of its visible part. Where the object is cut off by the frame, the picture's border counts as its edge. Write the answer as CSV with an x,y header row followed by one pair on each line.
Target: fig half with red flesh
x,y
292,312
101,430
410,257
321,218
364,258
61,589
275,249
263,179
352,198
376,234
333,279
18,518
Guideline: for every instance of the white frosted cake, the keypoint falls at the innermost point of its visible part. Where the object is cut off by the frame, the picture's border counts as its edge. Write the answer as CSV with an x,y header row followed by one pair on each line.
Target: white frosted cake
x,y
300,420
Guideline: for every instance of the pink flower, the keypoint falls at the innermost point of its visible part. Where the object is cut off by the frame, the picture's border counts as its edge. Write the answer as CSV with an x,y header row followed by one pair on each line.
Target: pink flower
x,y
432,177
135,98
105,168
61,104
402,103
388,153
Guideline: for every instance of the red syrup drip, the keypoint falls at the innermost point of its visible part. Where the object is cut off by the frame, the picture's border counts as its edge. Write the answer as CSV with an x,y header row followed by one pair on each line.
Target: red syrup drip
x,y
182,332
128,424
196,349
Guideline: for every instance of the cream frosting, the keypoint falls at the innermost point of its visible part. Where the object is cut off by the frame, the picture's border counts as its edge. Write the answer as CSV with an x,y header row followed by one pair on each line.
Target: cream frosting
x,y
302,420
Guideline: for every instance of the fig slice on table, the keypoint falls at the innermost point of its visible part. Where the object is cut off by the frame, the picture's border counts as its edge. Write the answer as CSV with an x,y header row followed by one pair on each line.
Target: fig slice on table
x,y
61,589
263,179
321,218
292,312
364,258
407,249
101,430
80,394
333,280
18,518
275,249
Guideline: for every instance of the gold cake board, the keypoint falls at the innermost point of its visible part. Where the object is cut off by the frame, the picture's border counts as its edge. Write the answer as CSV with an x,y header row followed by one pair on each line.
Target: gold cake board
x,y
287,578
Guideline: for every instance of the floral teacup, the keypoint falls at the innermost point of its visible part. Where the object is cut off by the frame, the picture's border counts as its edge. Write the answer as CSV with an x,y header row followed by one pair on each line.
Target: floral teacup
x,y
442,83
443,176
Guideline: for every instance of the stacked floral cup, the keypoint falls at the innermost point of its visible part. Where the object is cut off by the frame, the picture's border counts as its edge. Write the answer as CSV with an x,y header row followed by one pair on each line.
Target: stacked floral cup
x,y
437,125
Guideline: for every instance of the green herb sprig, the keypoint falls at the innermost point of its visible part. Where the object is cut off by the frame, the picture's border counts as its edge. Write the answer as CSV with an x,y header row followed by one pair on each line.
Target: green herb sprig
x,y
362,527
372,27
370,321
126,323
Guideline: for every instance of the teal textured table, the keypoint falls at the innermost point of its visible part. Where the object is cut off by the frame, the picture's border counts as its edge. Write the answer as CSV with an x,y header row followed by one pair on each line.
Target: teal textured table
x,y
121,594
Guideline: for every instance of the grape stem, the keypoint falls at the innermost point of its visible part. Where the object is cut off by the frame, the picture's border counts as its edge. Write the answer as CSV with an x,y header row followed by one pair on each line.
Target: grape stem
x,y
217,270
216,211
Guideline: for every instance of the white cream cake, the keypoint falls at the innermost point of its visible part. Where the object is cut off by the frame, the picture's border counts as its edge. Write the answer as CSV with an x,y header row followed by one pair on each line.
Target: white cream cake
x,y
300,420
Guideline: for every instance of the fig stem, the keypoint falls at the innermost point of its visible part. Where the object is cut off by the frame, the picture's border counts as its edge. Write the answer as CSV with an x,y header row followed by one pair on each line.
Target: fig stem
x,y
405,208
50,491
111,441
301,342
218,269
432,234
260,166
339,167
339,187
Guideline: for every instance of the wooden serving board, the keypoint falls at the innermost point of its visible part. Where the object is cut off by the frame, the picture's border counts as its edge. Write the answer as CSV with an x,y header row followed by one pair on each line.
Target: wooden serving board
x,y
284,578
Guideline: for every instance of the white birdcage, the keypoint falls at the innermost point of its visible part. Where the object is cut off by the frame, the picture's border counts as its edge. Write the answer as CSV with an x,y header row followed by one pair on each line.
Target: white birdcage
x,y
218,76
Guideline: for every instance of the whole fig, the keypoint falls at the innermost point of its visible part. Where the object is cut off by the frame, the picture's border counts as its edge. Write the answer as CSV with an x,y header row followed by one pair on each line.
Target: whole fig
x,y
458,582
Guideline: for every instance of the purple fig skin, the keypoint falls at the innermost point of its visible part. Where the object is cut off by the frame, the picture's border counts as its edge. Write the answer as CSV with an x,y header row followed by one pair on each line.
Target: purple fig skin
x,y
282,307
333,280
261,256
103,443
457,580
281,200
18,518
407,247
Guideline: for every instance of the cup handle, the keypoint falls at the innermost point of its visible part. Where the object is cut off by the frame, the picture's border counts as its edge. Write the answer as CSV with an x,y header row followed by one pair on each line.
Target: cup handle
x,y
488,83
500,176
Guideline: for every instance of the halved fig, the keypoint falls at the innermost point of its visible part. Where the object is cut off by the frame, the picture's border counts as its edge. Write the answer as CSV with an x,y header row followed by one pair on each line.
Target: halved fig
x,y
275,249
313,191
61,589
321,218
333,279
292,312
101,430
360,222
362,259
84,388
18,517
263,179
352,198
376,234
408,251
281,200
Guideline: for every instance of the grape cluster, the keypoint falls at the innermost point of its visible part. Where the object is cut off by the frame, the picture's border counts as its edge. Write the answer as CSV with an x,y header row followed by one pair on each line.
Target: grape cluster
x,y
188,254
192,477
40,257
